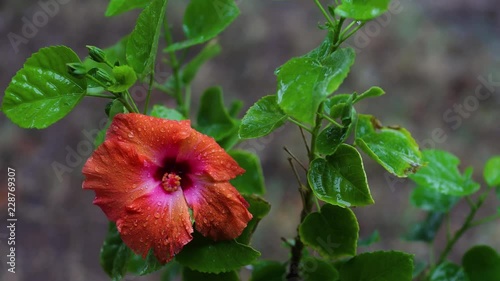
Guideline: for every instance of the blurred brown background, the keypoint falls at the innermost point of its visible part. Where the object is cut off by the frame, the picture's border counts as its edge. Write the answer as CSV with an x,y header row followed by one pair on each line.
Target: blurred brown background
x,y
430,57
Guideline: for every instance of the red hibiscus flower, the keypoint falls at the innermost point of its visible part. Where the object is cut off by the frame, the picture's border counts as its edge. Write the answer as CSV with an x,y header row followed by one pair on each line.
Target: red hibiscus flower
x,y
150,172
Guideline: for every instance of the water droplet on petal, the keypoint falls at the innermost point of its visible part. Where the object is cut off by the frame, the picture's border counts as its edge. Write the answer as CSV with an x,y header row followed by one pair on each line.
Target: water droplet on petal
x,y
131,135
157,215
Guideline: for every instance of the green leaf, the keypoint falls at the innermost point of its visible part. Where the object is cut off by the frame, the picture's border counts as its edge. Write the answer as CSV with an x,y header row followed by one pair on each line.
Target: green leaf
x,y
492,172
303,83
203,20
362,9
114,254
252,181
259,208
426,231
117,7
313,269
340,179
268,271
392,147
142,44
192,275
482,263
331,138
370,240
188,72
432,200
43,91
333,232
448,271
372,92
124,78
378,266
164,112
205,255
213,118
442,175
262,118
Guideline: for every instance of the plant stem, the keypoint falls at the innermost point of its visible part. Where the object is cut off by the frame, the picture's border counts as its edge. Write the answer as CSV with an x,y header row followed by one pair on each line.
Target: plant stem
x,y
174,63
467,224
323,11
100,96
294,158
307,204
345,37
130,101
331,120
485,220
299,124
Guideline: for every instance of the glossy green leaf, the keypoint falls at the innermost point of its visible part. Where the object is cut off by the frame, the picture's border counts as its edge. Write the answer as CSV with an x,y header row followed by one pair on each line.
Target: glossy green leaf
x,y
378,266
268,271
114,254
142,44
304,82
426,231
259,208
43,91
491,171
442,175
205,255
192,275
432,200
116,7
333,232
393,148
262,118
448,271
124,78
370,240
370,93
252,181
213,118
164,112
330,138
340,179
362,9
203,20
482,263
313,269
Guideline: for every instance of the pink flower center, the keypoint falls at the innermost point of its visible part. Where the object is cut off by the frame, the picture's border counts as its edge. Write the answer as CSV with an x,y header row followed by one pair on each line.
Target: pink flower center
x,y
170,182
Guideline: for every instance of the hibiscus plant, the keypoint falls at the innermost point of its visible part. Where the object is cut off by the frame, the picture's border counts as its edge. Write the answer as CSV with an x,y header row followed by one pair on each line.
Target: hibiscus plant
x,y
182,199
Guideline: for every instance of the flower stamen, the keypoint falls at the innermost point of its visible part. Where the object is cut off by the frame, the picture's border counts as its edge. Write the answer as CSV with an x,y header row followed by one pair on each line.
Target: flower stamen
x,y
170,182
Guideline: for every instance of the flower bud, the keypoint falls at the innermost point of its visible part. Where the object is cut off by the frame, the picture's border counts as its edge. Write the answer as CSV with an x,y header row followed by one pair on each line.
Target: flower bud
x,y
96,54
102,76
77,69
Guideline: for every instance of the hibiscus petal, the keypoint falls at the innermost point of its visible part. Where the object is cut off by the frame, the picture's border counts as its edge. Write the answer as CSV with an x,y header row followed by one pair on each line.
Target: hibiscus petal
x,y
157,221
220,212
154,137
206,157
118,175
